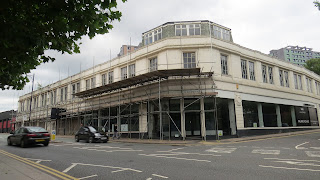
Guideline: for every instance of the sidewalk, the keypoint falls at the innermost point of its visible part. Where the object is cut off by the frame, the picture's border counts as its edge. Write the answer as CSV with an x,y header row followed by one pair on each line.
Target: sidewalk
x,y
13,169
69,139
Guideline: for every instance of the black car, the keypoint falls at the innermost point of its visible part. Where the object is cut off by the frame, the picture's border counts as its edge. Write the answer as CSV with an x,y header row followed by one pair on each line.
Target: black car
x,y
90,134
28,135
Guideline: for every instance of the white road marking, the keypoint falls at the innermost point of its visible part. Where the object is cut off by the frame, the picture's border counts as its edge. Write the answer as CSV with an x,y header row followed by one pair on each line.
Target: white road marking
x,y
38,160
313,153
112,167
110,149
293,160
315,147
289,168
199,160
69,168
88,177
285,148
149,179
297,146
299,163
172,150
68,144
184,153
265,151
160,176
221,150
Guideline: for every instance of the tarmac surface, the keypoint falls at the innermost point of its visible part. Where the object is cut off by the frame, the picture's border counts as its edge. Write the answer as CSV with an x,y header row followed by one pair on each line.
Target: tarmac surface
x,y
15,168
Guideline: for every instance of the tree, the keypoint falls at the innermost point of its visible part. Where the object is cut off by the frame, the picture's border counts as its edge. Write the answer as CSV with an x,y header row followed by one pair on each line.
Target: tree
x,y
313,65
317,4
29,27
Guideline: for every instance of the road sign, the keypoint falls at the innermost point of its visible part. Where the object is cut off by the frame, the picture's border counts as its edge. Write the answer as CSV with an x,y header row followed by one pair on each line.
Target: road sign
x,y
53,135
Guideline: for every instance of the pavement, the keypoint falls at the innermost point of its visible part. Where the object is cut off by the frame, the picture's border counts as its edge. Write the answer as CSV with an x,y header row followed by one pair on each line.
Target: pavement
x,y
11,168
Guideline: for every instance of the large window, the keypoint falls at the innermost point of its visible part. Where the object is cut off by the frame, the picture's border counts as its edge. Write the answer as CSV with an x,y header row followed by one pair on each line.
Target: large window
x,y
103,79
157,34
66,93
93,82
309,85
189,60
87,84
297,81
132,70
244,69
73,90
124,74
220,33
281,77
61,94
148,38
224,65
264,73
110,77
153,64
317,87
251,71
250,114
286,78
188,29
152,36
54,96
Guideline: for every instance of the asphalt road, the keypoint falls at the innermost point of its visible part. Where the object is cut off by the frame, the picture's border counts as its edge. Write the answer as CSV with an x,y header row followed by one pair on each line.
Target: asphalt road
x,y
295,157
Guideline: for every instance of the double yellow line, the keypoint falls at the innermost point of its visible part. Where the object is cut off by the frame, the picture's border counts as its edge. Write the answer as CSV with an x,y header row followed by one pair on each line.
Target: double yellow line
x,y
51,171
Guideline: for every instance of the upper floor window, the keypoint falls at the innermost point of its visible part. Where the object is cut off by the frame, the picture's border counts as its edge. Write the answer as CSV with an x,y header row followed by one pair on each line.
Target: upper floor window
x,y
61,94
87,84
152,36
189,60
224,65
93,82
157,34
110,77
244,70
148,38
309,85
251,71
297,81
153,64
270,73
220,33
132,70
124,74
188,29
78,87
103,79
73,90
286,78
51,97
317,87
264,73
66,93
54,96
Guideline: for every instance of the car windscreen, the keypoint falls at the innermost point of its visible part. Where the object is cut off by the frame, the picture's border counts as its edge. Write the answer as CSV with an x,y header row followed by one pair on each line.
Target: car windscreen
x,y
36,129
92,129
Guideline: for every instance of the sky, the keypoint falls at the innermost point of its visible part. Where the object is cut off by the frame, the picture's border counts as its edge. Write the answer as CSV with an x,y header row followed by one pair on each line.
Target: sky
x,y
260,25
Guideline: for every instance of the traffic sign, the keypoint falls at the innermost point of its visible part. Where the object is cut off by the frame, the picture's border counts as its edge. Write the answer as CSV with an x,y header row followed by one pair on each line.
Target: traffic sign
x,y
53,135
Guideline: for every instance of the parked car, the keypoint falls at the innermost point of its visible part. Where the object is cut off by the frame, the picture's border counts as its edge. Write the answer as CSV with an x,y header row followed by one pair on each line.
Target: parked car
x,y
28,135
90,134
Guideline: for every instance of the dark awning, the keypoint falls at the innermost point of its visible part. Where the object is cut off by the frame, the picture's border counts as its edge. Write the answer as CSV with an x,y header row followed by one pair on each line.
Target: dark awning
x,y
150,76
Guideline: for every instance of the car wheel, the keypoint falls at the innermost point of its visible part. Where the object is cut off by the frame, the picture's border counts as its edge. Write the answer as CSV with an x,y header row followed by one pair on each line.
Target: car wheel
x,y
22,144
77,138
9,142
90,140
46,143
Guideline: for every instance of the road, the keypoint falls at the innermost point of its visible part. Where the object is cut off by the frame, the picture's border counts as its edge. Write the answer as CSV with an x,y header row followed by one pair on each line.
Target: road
x,y
293,157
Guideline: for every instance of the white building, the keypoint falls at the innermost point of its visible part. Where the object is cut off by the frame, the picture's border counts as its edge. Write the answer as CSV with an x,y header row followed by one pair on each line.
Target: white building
x,y
174,83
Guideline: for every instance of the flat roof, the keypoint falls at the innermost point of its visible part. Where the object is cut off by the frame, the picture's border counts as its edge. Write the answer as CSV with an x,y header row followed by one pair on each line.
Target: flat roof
x,y
150,76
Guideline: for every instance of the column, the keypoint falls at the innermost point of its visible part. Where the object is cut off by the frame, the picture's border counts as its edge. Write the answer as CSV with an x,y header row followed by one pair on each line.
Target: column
x,y
260,115
183,122
279,123
202,119
232,118
150,120
293,116
99,119
239,111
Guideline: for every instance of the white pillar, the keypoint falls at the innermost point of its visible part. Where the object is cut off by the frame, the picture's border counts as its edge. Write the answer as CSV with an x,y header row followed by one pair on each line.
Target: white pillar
x,y
293,116
183,122
260,115
239,111
232,117
202,119
279,123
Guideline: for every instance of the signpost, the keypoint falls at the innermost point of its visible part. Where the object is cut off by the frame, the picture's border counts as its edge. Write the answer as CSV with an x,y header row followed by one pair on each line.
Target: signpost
x,y
53,135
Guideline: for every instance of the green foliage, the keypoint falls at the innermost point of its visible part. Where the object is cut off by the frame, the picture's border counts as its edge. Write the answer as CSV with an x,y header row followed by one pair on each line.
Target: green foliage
x,y
313,65
317,4
29,27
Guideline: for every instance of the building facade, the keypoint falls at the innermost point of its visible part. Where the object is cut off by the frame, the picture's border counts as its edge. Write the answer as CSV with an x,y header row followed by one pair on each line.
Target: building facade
x,y
295,54
187,80
7,121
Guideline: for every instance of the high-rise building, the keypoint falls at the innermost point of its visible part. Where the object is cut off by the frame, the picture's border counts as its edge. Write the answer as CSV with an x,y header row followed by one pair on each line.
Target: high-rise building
x,y
295,54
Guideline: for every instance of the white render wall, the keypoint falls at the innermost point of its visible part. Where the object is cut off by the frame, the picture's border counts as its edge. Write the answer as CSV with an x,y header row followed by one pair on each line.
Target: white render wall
x,y
169,53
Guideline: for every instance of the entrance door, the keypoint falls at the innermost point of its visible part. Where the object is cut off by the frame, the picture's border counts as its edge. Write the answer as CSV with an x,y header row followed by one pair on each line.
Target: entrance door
x,y
193,124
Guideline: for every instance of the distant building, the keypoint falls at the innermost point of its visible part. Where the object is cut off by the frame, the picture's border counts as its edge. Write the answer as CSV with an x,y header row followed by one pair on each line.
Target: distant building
x,y
295,54
7,121
125,49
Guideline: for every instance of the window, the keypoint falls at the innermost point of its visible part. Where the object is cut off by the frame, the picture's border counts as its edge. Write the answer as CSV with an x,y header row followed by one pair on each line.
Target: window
x,y
152,36
132,70
300,82
73,90
148,38
153,64
244,69
54,96
189,60
124,74
51,97
78,87
309,86
251,71
110,77
61,94
87,84
66,93
217,32
224,65
157,34
286,78
295,79
317,87
93,82
194,29
225,34
264,73
188,29
103,79
270,72
281,77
